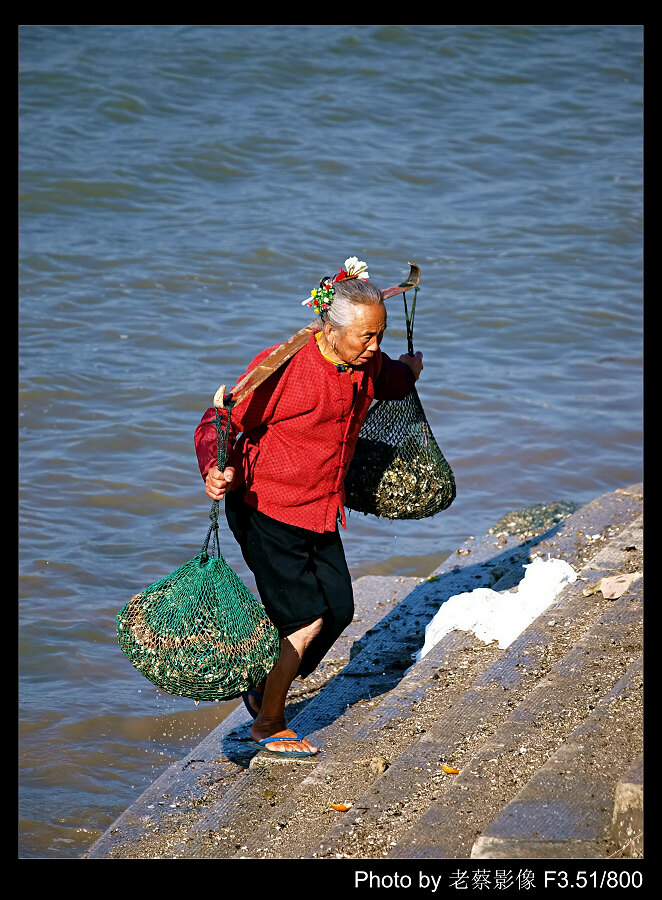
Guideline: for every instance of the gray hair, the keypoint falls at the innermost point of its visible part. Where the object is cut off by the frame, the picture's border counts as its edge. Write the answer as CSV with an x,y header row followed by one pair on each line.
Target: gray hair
x,y
347,295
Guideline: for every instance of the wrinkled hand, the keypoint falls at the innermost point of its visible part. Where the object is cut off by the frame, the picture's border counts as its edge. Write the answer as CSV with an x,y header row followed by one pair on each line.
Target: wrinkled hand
x,y
415,363
217,483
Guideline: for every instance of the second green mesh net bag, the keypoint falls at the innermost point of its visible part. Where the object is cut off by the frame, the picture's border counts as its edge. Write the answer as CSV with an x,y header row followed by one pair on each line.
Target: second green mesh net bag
x,y
398,470
199,632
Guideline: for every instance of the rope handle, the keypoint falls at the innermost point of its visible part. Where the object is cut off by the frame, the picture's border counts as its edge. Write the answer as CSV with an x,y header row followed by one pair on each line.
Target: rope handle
x,y
409,319
221,456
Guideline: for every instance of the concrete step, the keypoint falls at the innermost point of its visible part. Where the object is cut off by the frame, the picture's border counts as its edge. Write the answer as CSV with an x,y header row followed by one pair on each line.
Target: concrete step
x,y
170,805
566,810
197,793
365,713
563,700
367,739
374,597
388,736
416,778
379,660
627,825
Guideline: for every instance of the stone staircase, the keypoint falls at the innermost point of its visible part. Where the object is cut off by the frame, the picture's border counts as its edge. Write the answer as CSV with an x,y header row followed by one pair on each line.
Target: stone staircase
x,y
543,740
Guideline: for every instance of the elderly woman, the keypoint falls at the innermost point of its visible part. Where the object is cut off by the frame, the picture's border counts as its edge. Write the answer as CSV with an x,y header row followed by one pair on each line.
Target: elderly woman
x,y
291,444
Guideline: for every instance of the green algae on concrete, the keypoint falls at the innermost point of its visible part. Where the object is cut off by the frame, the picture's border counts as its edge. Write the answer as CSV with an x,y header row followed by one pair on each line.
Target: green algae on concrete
x,y
534,520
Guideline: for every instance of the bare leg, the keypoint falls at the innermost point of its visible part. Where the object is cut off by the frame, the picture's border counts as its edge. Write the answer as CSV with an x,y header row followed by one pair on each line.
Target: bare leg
x,y
271,718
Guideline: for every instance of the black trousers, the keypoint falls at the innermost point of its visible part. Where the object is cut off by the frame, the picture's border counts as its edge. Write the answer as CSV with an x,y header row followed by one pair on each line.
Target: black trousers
x,y
301,575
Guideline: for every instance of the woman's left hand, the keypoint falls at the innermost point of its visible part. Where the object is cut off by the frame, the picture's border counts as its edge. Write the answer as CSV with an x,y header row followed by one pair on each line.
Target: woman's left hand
x,y
415,363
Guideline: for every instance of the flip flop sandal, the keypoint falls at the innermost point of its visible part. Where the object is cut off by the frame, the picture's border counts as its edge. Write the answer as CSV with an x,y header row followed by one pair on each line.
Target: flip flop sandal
x,y
261,745
256,696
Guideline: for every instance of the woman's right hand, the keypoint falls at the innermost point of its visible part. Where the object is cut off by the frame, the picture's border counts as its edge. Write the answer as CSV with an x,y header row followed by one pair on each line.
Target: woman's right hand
x,y
217,483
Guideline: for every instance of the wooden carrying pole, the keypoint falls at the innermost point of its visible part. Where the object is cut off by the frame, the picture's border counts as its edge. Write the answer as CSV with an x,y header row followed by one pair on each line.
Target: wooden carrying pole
x,y
280,355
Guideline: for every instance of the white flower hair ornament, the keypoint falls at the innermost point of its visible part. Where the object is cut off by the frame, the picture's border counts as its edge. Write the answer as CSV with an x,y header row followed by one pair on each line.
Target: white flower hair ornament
x,y
322,296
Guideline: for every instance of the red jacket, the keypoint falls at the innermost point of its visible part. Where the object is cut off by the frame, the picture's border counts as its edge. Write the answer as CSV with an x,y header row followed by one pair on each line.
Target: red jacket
x,y
298,433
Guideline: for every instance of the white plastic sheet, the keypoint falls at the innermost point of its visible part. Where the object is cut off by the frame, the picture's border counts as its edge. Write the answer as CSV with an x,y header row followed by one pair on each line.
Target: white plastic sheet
x,y
500,616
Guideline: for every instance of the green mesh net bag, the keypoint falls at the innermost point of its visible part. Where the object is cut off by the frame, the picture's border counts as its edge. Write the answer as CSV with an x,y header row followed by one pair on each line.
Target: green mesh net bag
x,y
199,632
398,470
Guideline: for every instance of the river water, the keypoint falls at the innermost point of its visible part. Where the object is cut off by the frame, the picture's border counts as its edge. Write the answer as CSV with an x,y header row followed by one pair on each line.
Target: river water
x,y
182,188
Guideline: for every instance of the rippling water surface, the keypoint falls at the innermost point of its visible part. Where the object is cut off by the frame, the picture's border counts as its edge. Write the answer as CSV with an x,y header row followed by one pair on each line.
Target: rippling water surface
x,y
181,190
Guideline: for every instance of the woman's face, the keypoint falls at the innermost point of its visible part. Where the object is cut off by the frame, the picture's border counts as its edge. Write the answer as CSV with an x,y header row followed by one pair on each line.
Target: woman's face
x,y
360,341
